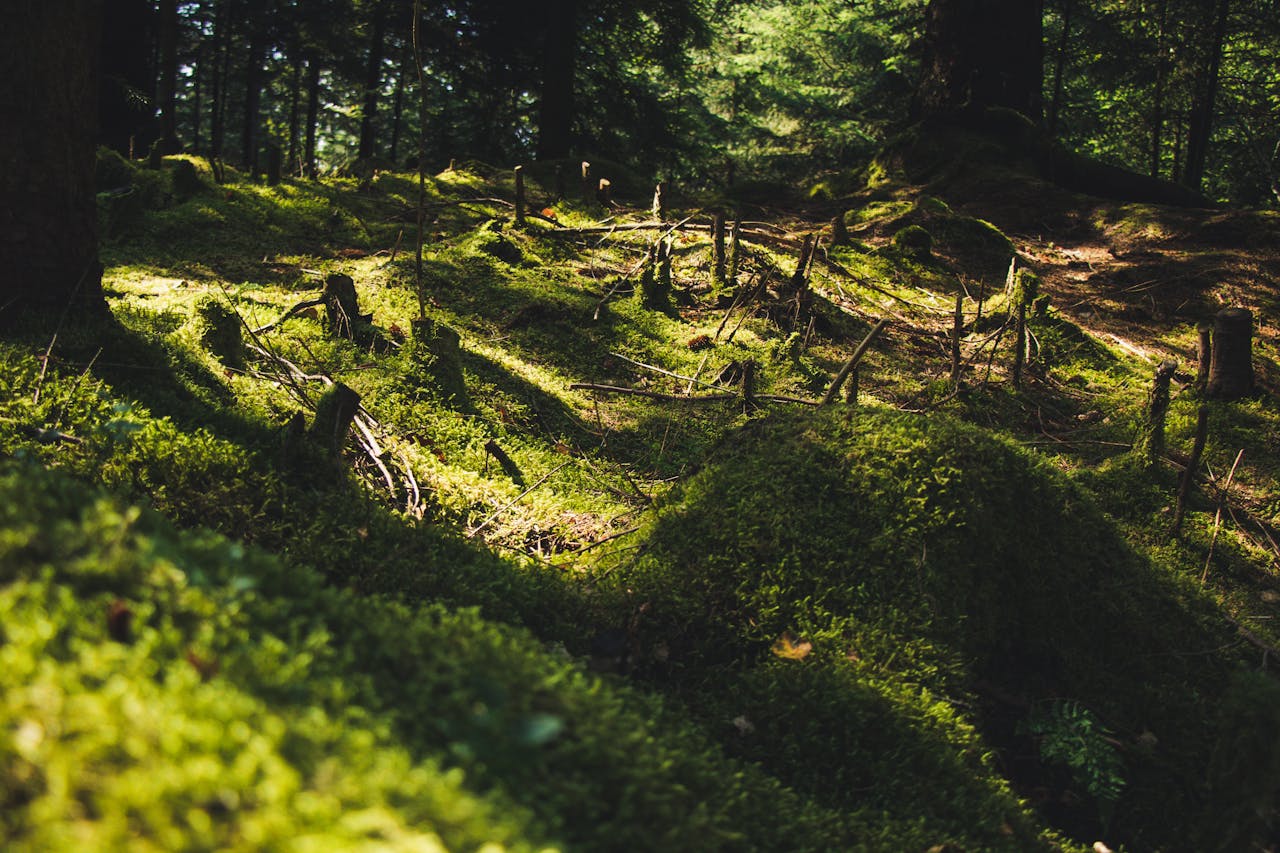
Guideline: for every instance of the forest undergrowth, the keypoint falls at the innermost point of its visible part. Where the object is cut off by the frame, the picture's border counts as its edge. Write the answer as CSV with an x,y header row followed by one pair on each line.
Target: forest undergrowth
x,y
591,566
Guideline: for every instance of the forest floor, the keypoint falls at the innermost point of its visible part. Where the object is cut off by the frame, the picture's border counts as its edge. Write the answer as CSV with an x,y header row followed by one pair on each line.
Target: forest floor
x,y
693,555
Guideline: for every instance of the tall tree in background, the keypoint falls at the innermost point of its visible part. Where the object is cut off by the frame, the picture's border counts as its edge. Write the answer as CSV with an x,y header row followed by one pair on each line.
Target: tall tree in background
x,y
1205,93
983,52
127,82
167,88
373,79
559,55
49,52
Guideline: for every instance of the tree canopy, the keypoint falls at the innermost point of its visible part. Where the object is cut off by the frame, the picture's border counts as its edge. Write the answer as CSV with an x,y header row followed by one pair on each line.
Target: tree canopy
x,y
1185,91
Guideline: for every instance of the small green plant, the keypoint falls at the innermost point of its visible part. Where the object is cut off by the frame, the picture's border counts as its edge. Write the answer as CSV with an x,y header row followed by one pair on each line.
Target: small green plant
x,y
1070,736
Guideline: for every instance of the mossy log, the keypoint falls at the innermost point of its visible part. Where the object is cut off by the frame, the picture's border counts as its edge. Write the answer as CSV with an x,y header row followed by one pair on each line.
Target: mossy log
x,y
1231,367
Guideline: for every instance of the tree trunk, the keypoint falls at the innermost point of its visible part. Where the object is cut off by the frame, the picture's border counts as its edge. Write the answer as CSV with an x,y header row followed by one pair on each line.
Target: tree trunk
x,y
313,117
253,80
1059,67
48,210
372,81
555,112
167,88
221,62
985,53
1204,98
1158,96
197,94
295,98
397,118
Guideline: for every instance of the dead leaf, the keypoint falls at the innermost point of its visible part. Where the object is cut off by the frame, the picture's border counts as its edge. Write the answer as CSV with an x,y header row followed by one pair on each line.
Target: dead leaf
x,y
789,647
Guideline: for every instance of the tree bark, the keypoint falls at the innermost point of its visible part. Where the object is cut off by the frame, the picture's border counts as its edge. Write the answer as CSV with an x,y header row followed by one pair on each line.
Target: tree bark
x,y
372,81
986,53
48,209
1231,367
555,112
313,117
1204,98
1059,68
167,88
218,95
253,80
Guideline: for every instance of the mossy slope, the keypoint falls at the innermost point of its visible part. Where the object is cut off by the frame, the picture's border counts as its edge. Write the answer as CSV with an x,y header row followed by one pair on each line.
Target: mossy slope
x,y
896,551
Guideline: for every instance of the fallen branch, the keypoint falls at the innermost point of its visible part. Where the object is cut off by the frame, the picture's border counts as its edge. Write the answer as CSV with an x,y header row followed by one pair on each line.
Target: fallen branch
x,y
653,395
297,309
497,512
849,365
686,398
1217,519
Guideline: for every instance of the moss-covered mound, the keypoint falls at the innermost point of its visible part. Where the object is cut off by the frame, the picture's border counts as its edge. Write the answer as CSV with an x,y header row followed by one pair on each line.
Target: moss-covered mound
x,y
168,690
892,550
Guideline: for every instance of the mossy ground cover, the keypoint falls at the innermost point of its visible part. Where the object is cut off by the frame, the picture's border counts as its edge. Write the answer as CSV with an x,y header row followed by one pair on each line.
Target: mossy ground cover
x,y
854,630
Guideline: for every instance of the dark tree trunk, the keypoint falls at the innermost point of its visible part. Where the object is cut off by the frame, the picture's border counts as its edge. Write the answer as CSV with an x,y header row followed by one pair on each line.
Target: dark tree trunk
x,y
218,95
985,53
295,98
313,117
167,87
253,81
397,118
1204,98
1059,68
555,112
48,210
127,76
373,81
1158,96
197,94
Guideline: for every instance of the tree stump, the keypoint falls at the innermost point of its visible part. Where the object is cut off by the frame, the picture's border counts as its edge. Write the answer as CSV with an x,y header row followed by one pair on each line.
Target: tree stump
x,y
220,332
717,251
1204,353
342,306
588,185
839,233
659,207
1231,367
335,410
436,350
519,170
1149,444
275,164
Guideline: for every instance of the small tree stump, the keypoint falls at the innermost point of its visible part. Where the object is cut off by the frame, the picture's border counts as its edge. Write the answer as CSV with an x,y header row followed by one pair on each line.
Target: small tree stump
x,y
717,251
436,350
342,306
1231,368
588,185
604,192
1149,444
839,233
274,164
1204,353
735,252
519,195
659,207
221,332
335,410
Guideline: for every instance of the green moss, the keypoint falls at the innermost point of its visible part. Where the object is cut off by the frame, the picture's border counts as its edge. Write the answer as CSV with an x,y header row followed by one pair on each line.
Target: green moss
x,y
914,242
923,550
